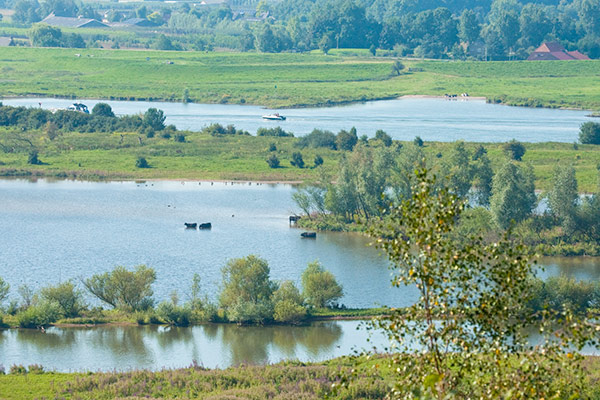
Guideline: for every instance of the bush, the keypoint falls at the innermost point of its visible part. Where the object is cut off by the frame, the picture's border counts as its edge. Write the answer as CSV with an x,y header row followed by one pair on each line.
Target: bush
x,y
320,289
273,161
272,147
589,133
103,110
318,160
180,138
418,141
277,131
297,160
288,304
387,140
42,314
155,119
141,162
514,150
173,314
346,140
33,158
66,296
318,138
18,370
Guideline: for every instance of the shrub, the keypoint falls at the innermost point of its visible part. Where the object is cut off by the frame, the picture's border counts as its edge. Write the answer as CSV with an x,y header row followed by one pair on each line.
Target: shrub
x,y
141,162
318,160
272,147
287,303
346,140
589,133
514,150
173,314
297,160
418,141
68,298
277,131
4,288
103,110
155,119
18,370
180,138
318,138
273,161
320,289
33,158
42,314
387,140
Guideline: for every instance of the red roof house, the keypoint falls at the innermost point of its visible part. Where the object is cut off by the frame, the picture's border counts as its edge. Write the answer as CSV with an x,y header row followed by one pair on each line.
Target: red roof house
x,y
555,51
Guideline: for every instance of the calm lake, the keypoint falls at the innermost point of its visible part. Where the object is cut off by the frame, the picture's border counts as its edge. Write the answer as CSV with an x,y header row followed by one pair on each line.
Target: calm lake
x,y
403,119
54,231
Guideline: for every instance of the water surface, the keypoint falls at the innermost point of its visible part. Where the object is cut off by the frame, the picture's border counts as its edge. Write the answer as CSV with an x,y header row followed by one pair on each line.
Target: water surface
x,y
403,119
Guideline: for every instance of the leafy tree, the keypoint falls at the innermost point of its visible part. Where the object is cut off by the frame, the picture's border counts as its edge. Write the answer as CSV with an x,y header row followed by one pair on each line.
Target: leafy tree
x,y
61,8
465,336
468,26
68,298
397,67
318,160
514,150
346,140
564,196
26,12
288,303
319,287
483,179
318,138
33,158
164,43
418,141
43,35
4,289
172,314
513,194
589,133
155,119
297,160
326,43
273,161
459,170
122,288
247,290
383,137
103,110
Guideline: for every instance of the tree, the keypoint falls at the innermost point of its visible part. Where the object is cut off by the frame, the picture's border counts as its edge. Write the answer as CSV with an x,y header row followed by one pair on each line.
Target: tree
x,y
326,43
589,133
297,160
288,303
564,196
121,288
141,162
164,43
319,287
102,110
346,140
418,141
273,161
465,336
4,289
43,35
26,11
383,138
397,67
155,119
514,150
468,26
33,158
513,194
247,290
318,160
68,298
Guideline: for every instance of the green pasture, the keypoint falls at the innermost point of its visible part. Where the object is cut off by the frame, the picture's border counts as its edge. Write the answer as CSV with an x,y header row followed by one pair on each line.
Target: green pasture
x,y
231,157
286,80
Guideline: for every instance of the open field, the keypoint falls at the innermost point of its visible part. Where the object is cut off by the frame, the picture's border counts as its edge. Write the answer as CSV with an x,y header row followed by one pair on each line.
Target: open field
x,y
285,80
231,157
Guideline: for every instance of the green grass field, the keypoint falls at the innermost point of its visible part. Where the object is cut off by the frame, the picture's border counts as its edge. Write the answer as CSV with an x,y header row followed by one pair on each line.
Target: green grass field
x,y
206,157
285,80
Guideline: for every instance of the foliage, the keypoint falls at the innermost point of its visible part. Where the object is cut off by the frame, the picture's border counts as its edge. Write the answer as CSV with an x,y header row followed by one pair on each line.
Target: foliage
x,y
319,287
318,160
33,158
141,162
4,289
318,138
418,141
564,196
383,137
397,67
464,337
103,110
68,298
122,288
155,119
346,140
297,160
172,314
42,314
277,131
273,161
288,303
514,150
247,290
513,194
561,294
589,133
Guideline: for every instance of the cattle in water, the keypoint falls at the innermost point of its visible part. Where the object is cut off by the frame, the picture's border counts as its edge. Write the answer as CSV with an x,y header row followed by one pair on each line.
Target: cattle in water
x,y
309,235
205,225
190,225
294,218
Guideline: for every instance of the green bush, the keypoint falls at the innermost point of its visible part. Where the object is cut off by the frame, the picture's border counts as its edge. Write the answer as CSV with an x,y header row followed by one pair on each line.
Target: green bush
x,y
320,289
589,133
68,298
141,162
288,303
273,161
514,150
42,314
173,314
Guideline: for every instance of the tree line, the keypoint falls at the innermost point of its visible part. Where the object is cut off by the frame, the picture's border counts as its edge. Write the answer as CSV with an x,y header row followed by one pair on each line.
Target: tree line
x,y
490,29
248,295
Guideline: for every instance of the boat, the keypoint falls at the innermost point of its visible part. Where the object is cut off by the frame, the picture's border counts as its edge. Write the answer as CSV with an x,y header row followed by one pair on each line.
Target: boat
x,y
79,107
274,117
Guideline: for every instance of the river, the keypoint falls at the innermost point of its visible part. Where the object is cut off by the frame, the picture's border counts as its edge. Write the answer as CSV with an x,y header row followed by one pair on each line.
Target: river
x,y
58,230
430,118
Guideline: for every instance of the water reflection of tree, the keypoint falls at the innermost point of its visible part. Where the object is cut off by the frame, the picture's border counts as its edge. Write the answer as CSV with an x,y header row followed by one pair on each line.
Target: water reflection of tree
x,y
123,341
247,344
320,337
169,335
55,339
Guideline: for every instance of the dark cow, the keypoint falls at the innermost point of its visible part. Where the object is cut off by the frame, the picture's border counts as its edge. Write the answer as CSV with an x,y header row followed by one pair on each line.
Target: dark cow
x,y
205,225
190,225
310,235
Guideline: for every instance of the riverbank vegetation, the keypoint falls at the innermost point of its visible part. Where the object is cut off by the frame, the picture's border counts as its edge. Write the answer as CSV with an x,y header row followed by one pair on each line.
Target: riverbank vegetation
x,y
248,296
286,80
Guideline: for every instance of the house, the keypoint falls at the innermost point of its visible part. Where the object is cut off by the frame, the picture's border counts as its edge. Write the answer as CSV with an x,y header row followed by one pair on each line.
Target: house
x,y
70,22
555,51
6,41
137,22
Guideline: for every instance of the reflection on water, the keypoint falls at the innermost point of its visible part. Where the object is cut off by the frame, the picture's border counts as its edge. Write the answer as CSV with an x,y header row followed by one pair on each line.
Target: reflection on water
x,y
155,347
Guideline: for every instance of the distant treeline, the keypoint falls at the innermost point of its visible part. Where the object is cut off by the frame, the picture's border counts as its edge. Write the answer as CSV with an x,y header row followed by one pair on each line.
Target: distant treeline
x,y
488,29
101,119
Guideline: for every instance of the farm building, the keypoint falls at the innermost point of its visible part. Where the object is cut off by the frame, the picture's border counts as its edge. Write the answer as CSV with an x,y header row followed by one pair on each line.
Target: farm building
x,y
555,51
70,22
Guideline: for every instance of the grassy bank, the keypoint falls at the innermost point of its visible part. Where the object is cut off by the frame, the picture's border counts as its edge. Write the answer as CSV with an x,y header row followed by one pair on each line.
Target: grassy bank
x,y
286,80
233,157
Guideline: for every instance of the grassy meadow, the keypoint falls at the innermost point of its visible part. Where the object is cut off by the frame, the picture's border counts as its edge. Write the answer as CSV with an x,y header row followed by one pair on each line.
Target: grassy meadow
x,y
286,80
236,157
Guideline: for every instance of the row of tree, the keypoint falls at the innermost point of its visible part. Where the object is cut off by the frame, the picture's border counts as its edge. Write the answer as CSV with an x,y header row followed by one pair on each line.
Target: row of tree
x,y
248,296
